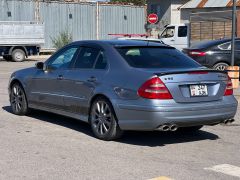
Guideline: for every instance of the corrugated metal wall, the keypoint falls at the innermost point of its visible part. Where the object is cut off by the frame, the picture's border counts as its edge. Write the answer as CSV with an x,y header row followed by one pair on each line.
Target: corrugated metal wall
x,y
82,25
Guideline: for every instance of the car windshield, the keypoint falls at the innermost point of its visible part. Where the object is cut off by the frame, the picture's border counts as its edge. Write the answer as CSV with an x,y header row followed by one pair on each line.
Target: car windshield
x,y
156,57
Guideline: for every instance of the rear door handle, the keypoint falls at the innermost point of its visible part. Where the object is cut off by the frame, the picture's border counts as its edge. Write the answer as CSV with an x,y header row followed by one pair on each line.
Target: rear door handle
x,y
60,77
92,79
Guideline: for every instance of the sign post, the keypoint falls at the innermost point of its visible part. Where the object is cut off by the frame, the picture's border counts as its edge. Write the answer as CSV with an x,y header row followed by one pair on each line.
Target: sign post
x,y
233,71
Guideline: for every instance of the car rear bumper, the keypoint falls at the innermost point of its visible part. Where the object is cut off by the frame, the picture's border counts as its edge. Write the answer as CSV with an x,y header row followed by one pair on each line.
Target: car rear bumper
x,y
136,117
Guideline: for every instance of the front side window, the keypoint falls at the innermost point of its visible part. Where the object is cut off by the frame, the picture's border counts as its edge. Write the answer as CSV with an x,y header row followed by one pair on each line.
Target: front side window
x,y
87,58
182,31
156,57
63,59
168,32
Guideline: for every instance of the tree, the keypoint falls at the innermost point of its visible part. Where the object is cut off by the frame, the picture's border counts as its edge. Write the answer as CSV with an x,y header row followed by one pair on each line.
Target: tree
x,y
135,2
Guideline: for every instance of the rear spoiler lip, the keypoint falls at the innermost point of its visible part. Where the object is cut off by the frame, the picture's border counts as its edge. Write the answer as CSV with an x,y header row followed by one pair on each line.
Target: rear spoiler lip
x,y
183,72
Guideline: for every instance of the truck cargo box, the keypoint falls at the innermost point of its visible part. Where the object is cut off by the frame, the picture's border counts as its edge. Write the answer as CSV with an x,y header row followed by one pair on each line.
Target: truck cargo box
x,y
21,33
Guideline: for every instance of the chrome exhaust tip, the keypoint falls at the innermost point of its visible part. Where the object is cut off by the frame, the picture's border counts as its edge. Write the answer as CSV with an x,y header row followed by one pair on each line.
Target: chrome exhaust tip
x,y
173,127
164,128
227,121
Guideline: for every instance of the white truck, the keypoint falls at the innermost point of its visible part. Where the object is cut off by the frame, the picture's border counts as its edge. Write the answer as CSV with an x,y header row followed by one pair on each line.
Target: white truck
x,y
176,35
19,39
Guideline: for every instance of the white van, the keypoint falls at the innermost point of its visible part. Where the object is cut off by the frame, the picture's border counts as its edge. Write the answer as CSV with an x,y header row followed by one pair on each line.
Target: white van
x,y
176,35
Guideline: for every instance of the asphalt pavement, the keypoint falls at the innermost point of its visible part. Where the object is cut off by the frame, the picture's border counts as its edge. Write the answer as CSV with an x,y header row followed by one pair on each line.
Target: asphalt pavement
x,y
48,146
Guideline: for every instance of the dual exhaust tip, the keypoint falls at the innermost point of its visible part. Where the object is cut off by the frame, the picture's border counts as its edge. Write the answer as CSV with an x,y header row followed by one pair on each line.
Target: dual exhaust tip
x,y
228,121
174,127
168,127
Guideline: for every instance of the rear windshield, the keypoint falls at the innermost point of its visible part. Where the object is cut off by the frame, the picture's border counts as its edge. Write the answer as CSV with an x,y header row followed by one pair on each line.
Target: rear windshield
x,y
155,57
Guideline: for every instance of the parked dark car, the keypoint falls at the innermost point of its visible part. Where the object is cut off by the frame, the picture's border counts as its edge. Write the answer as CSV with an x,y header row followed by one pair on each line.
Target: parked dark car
x,y
214,54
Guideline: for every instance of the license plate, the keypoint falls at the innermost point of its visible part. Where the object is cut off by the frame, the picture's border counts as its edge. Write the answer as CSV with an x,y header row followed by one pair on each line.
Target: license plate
x,y
198,90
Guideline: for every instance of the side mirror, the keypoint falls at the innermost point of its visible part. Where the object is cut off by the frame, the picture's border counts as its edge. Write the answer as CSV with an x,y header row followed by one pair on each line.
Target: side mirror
x,y
39,65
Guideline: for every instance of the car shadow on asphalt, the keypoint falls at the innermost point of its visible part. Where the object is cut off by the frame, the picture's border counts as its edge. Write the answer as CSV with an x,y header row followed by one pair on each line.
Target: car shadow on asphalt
x,y
140,138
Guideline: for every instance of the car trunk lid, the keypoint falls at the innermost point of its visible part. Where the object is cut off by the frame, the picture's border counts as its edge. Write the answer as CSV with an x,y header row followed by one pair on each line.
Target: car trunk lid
x,y
195,85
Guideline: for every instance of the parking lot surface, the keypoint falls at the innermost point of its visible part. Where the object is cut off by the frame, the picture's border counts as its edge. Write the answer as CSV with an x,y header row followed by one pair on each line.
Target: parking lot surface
x,y
47,146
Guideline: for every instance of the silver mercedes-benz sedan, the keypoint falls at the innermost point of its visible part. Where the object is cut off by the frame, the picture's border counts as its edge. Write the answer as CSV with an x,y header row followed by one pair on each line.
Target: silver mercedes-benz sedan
x,y
125,85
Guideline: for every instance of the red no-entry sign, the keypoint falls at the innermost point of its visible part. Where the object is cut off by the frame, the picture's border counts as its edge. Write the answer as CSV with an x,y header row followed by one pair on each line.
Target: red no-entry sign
x,y
152,18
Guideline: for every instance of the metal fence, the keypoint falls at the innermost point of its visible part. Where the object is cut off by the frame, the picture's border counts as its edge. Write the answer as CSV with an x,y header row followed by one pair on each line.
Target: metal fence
x,y
83,20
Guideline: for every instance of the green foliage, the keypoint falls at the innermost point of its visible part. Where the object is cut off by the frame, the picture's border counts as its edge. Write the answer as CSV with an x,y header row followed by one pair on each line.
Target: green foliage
x,y
61,40
135,2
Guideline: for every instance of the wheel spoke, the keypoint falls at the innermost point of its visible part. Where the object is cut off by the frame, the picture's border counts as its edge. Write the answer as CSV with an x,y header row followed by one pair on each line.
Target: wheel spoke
x,y
98,107
104,126
108,123
101,128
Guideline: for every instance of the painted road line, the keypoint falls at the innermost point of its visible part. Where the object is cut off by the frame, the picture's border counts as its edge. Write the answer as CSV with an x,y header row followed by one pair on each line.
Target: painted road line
x,y
226,169
161,178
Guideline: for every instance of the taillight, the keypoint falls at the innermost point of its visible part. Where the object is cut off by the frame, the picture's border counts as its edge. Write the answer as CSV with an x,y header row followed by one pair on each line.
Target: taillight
x,y
229,88
196,53
154,89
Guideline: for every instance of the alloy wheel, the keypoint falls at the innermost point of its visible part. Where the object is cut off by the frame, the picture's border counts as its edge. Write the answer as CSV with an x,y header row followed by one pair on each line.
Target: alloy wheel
x,y
101,118
18,100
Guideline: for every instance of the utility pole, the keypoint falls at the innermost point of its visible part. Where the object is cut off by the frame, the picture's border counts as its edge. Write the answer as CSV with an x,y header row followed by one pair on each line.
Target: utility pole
x,y
97,20
233,31
37,11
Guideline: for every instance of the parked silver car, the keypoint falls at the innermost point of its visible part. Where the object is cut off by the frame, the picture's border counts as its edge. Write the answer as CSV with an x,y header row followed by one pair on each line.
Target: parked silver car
x,y
125,85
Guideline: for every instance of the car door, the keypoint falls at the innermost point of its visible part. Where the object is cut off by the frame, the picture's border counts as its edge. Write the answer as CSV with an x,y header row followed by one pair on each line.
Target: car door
x,y
82,79
181,40
168,36
46,85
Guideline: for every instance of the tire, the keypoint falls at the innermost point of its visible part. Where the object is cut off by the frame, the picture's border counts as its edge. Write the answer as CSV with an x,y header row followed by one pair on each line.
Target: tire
x,y
18,55
220,66
103,120
18,100
7,57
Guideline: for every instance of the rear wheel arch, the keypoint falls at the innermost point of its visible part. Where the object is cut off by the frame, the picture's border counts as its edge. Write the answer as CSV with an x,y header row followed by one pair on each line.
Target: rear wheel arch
x,y
222,62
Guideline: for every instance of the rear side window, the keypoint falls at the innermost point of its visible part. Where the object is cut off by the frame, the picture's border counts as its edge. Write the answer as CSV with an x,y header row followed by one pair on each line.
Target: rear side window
x,y
225,46
228,46
182,31
101,61
87,58
155,57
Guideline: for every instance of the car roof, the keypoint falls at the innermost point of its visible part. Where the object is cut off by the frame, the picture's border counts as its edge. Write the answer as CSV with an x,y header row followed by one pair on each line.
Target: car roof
x,y
122,43
209,43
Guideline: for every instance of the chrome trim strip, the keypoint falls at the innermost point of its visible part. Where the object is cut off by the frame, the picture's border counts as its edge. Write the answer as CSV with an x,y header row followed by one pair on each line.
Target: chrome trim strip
x,y
61,95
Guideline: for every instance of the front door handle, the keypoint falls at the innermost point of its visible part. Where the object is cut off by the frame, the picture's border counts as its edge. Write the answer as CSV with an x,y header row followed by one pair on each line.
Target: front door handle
x,y
60,77
92,79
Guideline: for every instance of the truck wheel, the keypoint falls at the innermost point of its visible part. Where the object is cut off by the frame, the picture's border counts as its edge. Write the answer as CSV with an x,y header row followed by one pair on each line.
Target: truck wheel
x,y
18,55
7,57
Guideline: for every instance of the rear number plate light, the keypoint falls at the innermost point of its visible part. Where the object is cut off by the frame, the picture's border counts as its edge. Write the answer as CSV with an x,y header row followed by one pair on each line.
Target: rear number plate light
x,y
198,90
